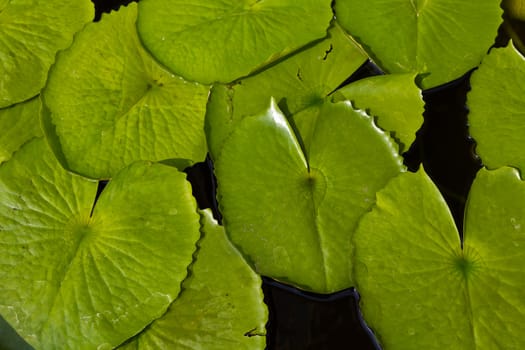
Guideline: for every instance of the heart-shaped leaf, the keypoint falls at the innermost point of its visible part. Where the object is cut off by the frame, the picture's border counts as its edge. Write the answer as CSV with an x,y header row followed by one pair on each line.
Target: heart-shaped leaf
x,y
72,277
109,103
292,218
221,40
394,99
421,289
440,39
31,34
497,108
296,83
220,306
19,124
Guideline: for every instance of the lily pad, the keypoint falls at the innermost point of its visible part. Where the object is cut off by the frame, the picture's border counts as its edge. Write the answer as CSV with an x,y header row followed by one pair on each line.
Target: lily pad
x,y
394,99
221,304
31,33
497,108
293,218
221,40
108,103
19,124
420,289
439,39
77,277
296,83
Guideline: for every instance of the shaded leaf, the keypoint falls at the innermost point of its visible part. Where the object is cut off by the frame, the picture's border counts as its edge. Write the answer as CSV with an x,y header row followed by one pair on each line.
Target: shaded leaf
x,y
420,289
221,40
108,103
294,218
74,279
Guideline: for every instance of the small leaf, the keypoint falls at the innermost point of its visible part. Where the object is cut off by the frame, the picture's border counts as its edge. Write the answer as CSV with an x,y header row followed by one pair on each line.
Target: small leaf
x,y
420,289
221,304
221,40
394,99
75,278
292,218
19,124
497,108
31,34
108,103
298,82
439,39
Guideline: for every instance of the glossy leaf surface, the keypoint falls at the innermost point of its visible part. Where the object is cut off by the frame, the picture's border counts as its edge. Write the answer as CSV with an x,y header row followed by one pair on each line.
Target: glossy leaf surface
x,y
497,108
440,39
31,33
420,289
73,277
394,99
18,124
109,103
296,83
222,40
220,306
292,218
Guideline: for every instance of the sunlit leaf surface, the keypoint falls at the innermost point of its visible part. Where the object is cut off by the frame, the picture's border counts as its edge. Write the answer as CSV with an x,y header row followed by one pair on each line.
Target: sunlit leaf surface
x,y
497,108
221,305
108,103
222,40
296,83
81,278
420,289
31,33
293,214
18,124
440,39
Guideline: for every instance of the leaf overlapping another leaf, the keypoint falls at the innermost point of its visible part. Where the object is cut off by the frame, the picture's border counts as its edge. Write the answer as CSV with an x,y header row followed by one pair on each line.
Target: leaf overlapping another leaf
x,y
76,277
293,214
422,288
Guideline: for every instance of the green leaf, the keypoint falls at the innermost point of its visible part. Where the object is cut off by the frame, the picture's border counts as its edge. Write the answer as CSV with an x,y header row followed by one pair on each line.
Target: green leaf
x,y
19,124
72,277
109,103
31,33
300,81
394,99
221,40
420,289
497,108
221,305
439,39
292,218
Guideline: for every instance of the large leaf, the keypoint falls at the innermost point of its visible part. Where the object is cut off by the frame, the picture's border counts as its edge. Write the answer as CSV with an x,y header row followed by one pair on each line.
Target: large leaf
x,y
75,278
296,83
19,124
292,218
441,39
31,33
497,108
221,304
394,99
420,289
109,103
222,40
